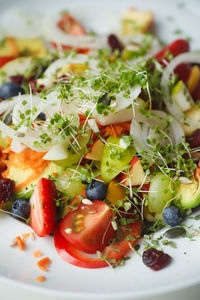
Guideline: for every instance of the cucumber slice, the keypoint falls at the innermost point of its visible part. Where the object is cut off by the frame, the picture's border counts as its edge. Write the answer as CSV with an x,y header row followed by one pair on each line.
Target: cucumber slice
x,y
115,157
181,96
72,156
188,195
160,193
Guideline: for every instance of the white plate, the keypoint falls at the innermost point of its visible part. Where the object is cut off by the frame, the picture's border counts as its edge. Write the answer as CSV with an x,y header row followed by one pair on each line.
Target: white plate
x,y
134,280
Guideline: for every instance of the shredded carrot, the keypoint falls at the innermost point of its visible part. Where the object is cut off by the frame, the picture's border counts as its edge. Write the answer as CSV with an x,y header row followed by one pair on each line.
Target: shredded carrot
x,y
20,243
44,263
115,129
37,253
27,159
25,235
41,279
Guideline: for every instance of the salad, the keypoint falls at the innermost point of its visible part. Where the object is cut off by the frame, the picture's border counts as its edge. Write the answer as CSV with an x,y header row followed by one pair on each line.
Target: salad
x,y
100,138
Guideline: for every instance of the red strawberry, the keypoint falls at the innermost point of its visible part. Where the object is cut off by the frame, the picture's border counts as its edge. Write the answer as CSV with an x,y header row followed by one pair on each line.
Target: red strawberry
x,y
43,207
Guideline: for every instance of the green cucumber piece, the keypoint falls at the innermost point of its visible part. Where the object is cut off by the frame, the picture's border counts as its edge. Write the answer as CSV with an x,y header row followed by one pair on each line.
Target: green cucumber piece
x,y
160,193
181,96
115,157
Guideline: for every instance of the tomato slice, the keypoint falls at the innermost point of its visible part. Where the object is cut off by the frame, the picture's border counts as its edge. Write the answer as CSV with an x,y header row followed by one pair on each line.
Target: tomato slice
x,y
5,59
128,235
70,25
175,48
90,227
114,252
73,255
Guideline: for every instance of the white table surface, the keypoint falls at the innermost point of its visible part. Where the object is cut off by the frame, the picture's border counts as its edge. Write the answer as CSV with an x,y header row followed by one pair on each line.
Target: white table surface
x,y
8,292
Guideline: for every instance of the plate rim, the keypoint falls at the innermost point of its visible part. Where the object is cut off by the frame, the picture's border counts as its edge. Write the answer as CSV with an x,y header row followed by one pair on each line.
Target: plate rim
x,y
106,296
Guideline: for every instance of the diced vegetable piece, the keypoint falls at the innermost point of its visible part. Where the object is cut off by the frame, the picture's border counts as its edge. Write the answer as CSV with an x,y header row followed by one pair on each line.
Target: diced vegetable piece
x,y
193,79
30,47
74,157
116,156
8,47
160,193
115,193
194,114
134,21
181,96
188,195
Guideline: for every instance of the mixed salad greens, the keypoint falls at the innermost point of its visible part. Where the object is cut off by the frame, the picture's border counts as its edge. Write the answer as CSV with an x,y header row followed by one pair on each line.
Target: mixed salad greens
x,y
100,137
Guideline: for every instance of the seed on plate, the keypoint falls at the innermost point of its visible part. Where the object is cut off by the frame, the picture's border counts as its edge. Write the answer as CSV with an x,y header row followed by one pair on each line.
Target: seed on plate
x,y
193,232
87,202
68,230
114,225
13,242
174,232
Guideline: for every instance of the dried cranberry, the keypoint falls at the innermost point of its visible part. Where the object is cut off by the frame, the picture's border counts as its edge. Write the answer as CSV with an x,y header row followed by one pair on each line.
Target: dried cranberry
x,y
194,139
196,93
17,79
155,259
114,43
6,190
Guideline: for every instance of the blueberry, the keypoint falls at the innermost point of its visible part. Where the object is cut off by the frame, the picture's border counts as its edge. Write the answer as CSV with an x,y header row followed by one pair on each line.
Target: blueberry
x,y
20,208
42,116
172,216
10,89
96,190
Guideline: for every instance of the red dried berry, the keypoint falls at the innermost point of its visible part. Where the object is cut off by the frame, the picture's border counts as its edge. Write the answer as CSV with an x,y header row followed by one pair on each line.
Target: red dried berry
x,y
114,43
155,259
18,79
6,190
183,71
194,139
36,88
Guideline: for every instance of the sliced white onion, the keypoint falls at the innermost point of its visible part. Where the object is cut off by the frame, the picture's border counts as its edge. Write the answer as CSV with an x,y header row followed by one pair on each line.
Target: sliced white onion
x,y
124,115
93,125
27,139
7,105
17,147
123,102
50,72
142,129
22,105
57,152
54,34
191,57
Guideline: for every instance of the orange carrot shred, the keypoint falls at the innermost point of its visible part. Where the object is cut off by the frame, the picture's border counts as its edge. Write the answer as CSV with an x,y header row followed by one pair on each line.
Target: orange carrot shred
x,y
25,235
20,243
44,263
40,278
37,253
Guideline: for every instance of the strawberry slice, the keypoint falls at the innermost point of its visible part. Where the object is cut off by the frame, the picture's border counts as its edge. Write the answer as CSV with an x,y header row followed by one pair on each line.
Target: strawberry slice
x,y
43,207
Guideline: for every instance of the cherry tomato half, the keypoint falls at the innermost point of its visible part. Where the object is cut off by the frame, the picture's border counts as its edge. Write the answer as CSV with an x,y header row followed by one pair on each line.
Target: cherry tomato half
x,y
5,59
112,252
175,48
90,225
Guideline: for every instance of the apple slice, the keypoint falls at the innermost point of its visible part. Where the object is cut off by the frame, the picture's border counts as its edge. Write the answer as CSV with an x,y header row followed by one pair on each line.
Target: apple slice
x,y
96,151
136,174
135,21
